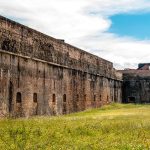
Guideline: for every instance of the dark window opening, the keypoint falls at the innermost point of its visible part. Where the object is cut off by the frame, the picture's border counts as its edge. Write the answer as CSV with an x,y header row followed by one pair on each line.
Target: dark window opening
x,y
64,104
131,99
85,97
115,100
64,98
10,96
18,97
35,97
100,98
77,97
94,97
54,98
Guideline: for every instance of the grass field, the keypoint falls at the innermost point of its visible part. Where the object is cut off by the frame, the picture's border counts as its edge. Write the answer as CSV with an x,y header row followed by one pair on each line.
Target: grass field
x,y
113,127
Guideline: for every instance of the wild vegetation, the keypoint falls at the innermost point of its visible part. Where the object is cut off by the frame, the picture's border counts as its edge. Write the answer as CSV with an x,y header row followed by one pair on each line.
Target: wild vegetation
x,y
112,127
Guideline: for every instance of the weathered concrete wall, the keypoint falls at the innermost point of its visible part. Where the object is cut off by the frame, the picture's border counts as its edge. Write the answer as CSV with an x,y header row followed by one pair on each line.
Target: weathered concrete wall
x,y
136,86
40,75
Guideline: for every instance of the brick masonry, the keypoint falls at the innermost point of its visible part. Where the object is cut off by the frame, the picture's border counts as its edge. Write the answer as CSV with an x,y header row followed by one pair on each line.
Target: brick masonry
x,y
41,75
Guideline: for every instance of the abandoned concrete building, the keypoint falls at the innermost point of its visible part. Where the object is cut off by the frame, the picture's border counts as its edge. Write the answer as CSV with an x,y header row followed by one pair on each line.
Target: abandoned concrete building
x,y
41,75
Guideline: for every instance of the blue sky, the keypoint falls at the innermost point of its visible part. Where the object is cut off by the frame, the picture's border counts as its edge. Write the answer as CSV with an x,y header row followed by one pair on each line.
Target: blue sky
x,y
114,30
135,25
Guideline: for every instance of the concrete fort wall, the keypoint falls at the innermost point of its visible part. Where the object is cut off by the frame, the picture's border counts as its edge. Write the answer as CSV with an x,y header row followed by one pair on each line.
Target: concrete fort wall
x,y
41,75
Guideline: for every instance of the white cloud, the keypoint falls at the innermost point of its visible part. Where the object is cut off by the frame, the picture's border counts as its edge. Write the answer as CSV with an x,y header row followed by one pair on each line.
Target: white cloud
x,y
124,52
83,23
109,7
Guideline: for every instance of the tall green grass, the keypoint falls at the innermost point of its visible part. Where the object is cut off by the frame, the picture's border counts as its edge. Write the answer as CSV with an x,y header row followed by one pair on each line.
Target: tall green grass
x,y
112,127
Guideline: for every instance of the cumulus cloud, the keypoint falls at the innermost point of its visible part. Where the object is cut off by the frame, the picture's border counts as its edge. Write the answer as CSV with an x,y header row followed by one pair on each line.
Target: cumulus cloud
x,y
109,7
124,52
83,23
